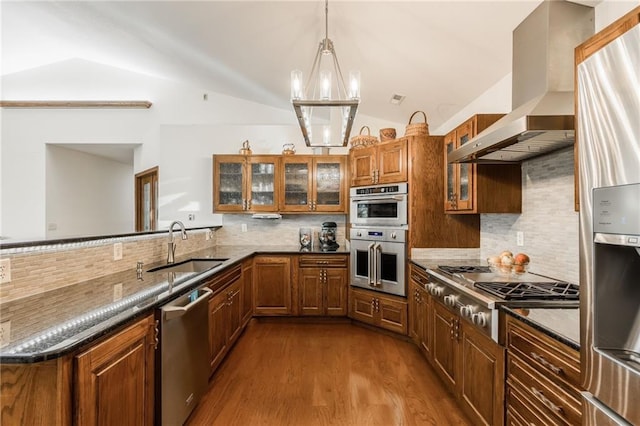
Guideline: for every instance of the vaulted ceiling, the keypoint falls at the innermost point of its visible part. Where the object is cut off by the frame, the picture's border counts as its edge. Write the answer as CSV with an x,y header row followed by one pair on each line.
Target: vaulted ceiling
x,y
439,54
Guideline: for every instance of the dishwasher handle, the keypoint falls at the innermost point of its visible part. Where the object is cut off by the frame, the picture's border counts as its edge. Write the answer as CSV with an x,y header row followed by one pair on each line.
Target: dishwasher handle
x,y
173,311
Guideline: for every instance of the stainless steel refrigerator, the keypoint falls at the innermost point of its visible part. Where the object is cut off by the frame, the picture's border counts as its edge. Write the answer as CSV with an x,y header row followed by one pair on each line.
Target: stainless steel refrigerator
x,y
609,161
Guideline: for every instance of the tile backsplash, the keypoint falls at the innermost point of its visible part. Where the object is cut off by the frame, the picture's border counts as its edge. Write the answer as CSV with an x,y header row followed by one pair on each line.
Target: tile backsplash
x,y
548,219
270,232
34,271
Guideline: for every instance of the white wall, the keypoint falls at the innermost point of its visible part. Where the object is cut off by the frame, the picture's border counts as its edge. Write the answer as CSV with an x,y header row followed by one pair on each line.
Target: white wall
x,y
610,10
87,194
179,133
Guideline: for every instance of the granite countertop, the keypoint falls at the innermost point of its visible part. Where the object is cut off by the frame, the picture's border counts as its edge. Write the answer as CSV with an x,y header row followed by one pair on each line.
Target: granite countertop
x,y
560,323
57,322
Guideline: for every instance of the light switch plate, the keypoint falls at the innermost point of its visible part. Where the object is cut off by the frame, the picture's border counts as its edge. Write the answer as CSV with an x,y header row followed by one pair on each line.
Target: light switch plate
x,y
5,270
117,292
117,251
519,238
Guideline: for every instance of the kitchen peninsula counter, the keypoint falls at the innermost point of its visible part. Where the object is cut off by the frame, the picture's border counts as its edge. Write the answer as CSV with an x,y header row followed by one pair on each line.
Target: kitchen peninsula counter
x,y
54,323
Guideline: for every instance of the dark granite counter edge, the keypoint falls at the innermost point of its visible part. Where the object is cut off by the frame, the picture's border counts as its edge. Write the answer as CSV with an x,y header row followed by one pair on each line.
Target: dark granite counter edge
x,y
112,324
559,337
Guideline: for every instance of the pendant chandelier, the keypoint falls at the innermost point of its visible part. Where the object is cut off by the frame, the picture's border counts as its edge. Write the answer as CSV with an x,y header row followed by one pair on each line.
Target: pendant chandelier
x,y
325,110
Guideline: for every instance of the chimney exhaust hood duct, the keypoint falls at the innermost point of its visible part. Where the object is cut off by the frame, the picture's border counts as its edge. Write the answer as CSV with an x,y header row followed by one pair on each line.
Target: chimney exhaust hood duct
x,y
542,119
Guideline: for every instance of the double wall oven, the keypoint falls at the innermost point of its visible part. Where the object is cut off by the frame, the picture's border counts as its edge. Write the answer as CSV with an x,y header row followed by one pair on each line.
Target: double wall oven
x,y
378,238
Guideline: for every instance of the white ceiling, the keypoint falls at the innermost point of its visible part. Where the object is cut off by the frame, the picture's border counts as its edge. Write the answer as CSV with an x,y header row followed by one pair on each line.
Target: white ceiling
x,y
440,54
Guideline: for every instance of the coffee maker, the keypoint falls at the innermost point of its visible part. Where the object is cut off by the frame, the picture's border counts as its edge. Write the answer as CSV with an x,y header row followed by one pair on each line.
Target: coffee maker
x,y
327,236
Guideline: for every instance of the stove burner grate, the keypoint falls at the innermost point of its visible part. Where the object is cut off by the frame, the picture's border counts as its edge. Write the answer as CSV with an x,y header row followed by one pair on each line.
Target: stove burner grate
x,y
526,291
463,269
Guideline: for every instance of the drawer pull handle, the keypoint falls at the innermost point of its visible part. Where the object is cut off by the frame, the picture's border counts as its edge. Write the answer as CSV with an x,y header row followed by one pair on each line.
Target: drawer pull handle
x,y
550,405
546,363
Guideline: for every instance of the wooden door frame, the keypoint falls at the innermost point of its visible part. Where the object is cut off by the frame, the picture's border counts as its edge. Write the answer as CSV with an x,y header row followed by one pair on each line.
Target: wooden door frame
x,y
153,173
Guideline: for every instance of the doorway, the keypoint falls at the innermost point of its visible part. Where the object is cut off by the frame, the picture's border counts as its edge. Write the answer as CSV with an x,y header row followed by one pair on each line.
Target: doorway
x,y
147,200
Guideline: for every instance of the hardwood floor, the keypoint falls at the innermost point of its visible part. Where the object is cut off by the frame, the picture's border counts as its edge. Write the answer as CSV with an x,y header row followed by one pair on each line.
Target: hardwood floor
x,y
300,374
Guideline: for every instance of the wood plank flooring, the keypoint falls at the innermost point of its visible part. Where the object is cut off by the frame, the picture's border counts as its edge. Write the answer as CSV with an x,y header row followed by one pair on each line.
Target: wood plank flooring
x,y
282,373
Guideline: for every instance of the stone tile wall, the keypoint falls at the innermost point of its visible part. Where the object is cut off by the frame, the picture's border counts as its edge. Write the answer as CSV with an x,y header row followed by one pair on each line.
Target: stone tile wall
x,y
274,231
548,219
44,268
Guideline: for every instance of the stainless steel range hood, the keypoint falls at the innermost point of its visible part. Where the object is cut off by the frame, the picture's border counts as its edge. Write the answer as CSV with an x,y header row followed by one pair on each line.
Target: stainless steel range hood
x,y
542,120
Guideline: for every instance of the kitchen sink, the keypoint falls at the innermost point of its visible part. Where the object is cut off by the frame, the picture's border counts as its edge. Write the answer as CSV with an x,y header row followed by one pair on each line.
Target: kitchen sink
x,y
191,265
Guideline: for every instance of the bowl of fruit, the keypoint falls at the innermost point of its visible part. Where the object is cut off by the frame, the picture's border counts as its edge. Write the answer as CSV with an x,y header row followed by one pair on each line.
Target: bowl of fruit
x,y
506,263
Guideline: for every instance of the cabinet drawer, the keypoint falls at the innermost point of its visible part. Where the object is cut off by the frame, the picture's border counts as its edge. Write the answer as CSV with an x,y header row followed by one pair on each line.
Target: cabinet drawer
x,y
323,261
419,276
542,394
521,413
220,280
554,360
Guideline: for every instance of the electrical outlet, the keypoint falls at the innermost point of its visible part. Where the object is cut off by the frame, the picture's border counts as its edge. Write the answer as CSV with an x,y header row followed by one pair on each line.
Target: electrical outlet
x,y
519,238
117,251
191,216
5,333
244,227
5,271
117,292
208,234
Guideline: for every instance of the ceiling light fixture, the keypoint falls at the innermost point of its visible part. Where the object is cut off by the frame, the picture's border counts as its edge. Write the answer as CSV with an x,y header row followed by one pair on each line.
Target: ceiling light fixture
x,y
325,111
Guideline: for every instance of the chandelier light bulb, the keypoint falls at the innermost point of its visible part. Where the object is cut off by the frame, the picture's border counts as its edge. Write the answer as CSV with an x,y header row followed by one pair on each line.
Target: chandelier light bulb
x,y
326,135
296,84
354,84
325,85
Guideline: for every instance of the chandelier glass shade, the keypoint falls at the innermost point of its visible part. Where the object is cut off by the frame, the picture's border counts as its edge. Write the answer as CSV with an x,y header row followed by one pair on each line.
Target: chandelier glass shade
x,y
325,106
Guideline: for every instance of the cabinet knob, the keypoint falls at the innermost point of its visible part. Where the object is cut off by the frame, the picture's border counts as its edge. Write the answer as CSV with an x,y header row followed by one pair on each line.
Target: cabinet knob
x,y
479,319
436,290
450,300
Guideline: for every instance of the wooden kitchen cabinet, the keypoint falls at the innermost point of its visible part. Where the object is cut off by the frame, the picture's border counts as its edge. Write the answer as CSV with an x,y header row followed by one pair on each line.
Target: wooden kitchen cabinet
x,y
272,290
322,285
420,311
386,162
445,344
470,364
543,377
479,188
225,313
481,377
247,291
114,380
311,183
245,183
379,309
419,161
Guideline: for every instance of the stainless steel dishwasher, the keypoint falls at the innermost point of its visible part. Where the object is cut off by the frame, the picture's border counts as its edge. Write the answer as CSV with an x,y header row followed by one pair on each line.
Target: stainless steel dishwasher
x,y
184,355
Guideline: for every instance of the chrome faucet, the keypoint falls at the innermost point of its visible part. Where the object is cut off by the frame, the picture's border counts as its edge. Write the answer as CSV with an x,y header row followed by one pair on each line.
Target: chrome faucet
x,y
172,248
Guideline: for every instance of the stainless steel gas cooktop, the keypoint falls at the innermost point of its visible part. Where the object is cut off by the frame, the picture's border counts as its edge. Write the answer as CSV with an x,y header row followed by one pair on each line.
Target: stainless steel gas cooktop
x,y
513,287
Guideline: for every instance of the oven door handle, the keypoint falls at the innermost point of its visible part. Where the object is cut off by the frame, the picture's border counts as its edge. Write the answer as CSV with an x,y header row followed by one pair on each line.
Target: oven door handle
x,y
378,257
371,267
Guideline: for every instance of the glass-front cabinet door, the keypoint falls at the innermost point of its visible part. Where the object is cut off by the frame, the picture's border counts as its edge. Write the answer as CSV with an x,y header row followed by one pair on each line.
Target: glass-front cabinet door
x,y
229,183
458,177
296,184
313,183
328,184
464,133
451,173
262,183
